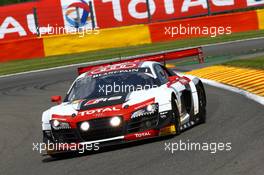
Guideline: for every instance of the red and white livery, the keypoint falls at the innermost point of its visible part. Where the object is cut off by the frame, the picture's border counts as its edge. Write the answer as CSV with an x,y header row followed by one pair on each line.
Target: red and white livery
x,y
123,102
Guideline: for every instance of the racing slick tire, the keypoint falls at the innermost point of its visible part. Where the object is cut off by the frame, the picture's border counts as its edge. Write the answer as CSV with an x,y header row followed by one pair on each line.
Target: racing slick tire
x,y
201,116
176,116
52,154
60,155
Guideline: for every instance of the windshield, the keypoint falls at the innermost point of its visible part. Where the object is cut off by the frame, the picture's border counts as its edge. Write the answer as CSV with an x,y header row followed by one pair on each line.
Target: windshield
x,y
89,87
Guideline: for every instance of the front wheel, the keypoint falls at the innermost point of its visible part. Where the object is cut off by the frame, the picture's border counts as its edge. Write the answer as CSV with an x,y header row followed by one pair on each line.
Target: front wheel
x,y
201,116
176,116
52,153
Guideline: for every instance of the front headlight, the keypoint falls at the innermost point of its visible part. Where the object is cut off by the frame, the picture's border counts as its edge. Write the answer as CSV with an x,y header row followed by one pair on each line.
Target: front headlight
x,y
148,110
56,124
115,121
151,108
85,126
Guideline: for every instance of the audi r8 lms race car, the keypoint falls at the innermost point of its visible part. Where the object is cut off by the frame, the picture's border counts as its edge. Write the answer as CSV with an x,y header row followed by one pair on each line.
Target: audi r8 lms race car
x,y
124,102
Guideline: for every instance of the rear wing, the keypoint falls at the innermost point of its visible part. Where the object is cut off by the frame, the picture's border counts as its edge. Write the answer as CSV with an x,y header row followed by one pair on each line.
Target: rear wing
x,y
157,57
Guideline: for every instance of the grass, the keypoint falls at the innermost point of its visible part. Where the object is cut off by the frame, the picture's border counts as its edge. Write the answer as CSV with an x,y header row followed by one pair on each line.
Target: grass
x,y
48,62
6,2
254,63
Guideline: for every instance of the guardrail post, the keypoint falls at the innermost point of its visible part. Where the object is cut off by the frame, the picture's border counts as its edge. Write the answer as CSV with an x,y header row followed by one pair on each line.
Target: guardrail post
x,y
78,20
209,7
36,20
200,55
92,14
148,10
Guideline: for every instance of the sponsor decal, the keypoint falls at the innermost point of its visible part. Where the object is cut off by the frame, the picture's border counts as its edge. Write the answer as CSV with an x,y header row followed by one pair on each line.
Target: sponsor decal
x,y
167,130
144,134
107,101
81,6
13,27
17,21
162,116
255,2
100,110
77,14
115,67
120,13
77,101
115,72
184,80
95,101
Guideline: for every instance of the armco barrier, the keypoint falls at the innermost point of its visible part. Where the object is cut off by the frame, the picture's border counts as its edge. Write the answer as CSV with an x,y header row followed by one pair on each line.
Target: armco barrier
x,y
236,22
123,36
18,21
117,13
21,21
107,38
21,49
261,19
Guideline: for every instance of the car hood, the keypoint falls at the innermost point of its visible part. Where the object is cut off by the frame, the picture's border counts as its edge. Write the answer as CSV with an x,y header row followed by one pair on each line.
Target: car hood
x,y
125,99
102,102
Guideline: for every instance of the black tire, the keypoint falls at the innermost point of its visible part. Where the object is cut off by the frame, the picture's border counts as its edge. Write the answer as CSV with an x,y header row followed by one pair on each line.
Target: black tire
x,y
176,116
201,116
55,155
60,155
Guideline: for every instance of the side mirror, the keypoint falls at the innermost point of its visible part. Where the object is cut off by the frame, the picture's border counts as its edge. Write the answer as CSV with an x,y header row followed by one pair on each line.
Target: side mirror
x,y
56,99
173,78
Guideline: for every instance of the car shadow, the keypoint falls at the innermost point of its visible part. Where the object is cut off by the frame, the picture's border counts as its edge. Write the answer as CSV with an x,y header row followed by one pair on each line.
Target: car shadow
x,y
71,155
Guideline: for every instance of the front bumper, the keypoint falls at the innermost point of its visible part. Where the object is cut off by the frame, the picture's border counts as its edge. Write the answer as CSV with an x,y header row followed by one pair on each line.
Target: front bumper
x,y
97,144
104,135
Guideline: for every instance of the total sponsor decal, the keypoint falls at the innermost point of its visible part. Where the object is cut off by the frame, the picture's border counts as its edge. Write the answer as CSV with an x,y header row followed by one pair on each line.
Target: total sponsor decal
x,y
142,135
11,25
255,2
77,14
126,12
99,110
18,21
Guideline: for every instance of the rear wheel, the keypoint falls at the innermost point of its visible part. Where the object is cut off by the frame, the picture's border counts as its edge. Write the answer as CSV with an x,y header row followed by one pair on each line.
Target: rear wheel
x,y
176,116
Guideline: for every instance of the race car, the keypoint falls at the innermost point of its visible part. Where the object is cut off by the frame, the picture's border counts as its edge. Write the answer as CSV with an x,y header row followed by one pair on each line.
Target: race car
x,y
118,103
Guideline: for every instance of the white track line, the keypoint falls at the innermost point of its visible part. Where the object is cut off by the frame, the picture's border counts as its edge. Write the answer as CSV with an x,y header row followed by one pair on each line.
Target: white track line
x,y
232,42
114,59
59,67
247,94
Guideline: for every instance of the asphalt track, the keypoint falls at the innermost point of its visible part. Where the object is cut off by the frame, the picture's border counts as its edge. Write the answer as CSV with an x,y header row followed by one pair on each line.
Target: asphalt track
x,y
231,118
